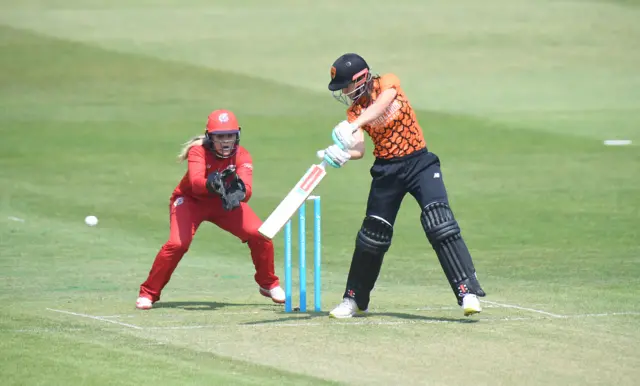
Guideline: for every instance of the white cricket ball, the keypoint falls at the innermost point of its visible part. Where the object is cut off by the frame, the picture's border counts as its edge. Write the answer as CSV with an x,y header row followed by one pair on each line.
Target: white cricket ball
x,y
91,221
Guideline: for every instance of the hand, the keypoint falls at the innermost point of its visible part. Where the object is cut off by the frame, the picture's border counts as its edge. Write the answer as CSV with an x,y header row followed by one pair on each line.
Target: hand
x,y
236,191
342,135
335,156
215,183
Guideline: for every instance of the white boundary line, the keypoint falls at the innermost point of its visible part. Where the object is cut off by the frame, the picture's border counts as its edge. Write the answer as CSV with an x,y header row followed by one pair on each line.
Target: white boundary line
x,y
523,309
96,318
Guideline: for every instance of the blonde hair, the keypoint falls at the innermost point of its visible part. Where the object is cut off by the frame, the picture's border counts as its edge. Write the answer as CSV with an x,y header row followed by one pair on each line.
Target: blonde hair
x,y
195,141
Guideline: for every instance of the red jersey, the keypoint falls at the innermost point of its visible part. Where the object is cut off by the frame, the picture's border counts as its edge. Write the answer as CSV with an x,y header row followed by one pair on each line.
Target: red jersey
x,y
397,132
202,161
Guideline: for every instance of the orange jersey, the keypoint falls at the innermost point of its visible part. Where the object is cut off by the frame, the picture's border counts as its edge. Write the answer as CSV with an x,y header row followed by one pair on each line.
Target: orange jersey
x,y
396,133
202,162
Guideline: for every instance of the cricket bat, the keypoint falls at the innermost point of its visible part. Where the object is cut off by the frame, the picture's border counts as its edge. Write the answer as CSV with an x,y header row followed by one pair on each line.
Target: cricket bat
x,y
296,197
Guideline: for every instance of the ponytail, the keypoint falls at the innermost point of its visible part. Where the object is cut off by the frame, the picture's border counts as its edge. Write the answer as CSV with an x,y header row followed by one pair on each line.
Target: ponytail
x,y
195,141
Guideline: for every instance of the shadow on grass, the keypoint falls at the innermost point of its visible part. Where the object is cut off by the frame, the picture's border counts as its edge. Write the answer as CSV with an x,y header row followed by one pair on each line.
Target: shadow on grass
x,y
291,317
423,318
201,306
372,318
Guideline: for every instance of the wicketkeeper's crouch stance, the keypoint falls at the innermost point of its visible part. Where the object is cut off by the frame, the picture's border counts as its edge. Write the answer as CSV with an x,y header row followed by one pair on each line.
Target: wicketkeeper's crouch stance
x,y
216,188
403,165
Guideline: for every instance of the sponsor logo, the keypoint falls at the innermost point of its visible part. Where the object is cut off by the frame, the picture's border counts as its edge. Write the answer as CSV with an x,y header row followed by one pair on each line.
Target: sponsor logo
x,y
390,113
310,180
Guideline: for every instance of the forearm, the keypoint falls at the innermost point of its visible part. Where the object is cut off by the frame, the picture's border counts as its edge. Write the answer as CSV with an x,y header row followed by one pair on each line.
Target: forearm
x,y
197,173
245,173
248,189
357,151
369,115
377,109
199,187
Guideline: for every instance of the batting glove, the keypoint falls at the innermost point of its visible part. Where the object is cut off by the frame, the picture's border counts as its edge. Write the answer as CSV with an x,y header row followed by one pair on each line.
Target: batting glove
x,y
342,135
335,156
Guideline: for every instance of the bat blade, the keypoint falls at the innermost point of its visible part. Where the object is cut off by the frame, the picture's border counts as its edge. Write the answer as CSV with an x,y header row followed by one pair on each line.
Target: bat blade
x,y
294,199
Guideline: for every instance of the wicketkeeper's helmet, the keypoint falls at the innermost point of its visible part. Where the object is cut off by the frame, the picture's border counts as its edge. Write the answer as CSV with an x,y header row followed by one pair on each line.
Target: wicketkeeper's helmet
x,y
222,122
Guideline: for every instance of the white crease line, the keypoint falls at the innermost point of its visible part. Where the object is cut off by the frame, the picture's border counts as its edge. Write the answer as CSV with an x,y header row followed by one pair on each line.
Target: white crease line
x,y
34,330
392,323
384,323
13,218
328,324
186,327
446,308
460,321
96,318
524,309
175,315
603,314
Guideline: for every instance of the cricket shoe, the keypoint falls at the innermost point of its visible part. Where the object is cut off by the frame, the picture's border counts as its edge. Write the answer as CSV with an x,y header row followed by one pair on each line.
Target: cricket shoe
x,y
471,305
347,309
144,303
276,294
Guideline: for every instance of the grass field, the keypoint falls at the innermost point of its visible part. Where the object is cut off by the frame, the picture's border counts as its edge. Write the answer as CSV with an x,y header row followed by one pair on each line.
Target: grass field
x,y
515,96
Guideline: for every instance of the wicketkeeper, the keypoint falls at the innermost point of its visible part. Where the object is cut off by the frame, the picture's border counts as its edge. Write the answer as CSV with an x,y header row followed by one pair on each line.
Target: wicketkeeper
x,y
378,106
215,188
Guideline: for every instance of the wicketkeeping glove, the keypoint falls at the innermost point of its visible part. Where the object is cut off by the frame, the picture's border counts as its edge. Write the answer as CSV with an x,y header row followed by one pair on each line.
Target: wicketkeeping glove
x,y
236,191
215,183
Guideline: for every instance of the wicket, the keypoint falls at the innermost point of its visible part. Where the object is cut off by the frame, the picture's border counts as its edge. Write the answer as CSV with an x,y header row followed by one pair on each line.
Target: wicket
x,y
302,257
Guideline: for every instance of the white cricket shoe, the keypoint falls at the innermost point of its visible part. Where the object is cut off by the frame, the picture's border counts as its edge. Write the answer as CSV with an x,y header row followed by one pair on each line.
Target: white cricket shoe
x,y
144,303
347,309
276,294
471,305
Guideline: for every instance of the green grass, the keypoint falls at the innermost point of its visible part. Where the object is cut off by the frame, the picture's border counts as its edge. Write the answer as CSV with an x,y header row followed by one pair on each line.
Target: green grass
x,y
514,96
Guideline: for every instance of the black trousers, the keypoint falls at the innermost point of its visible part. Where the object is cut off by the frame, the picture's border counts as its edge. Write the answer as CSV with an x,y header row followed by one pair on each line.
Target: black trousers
x,y
418,174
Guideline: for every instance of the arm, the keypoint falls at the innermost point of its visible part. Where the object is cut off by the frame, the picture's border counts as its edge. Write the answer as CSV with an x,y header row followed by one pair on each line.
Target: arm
x,y
357,150
377,108
197,171
373,112
244,170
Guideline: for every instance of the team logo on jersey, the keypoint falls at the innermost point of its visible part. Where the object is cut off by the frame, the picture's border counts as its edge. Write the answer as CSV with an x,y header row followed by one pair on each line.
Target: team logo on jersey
x,y
178,201
333,72
224,117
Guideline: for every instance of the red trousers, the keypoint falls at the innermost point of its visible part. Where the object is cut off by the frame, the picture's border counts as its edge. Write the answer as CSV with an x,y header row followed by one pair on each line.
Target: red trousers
x,y
186,215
